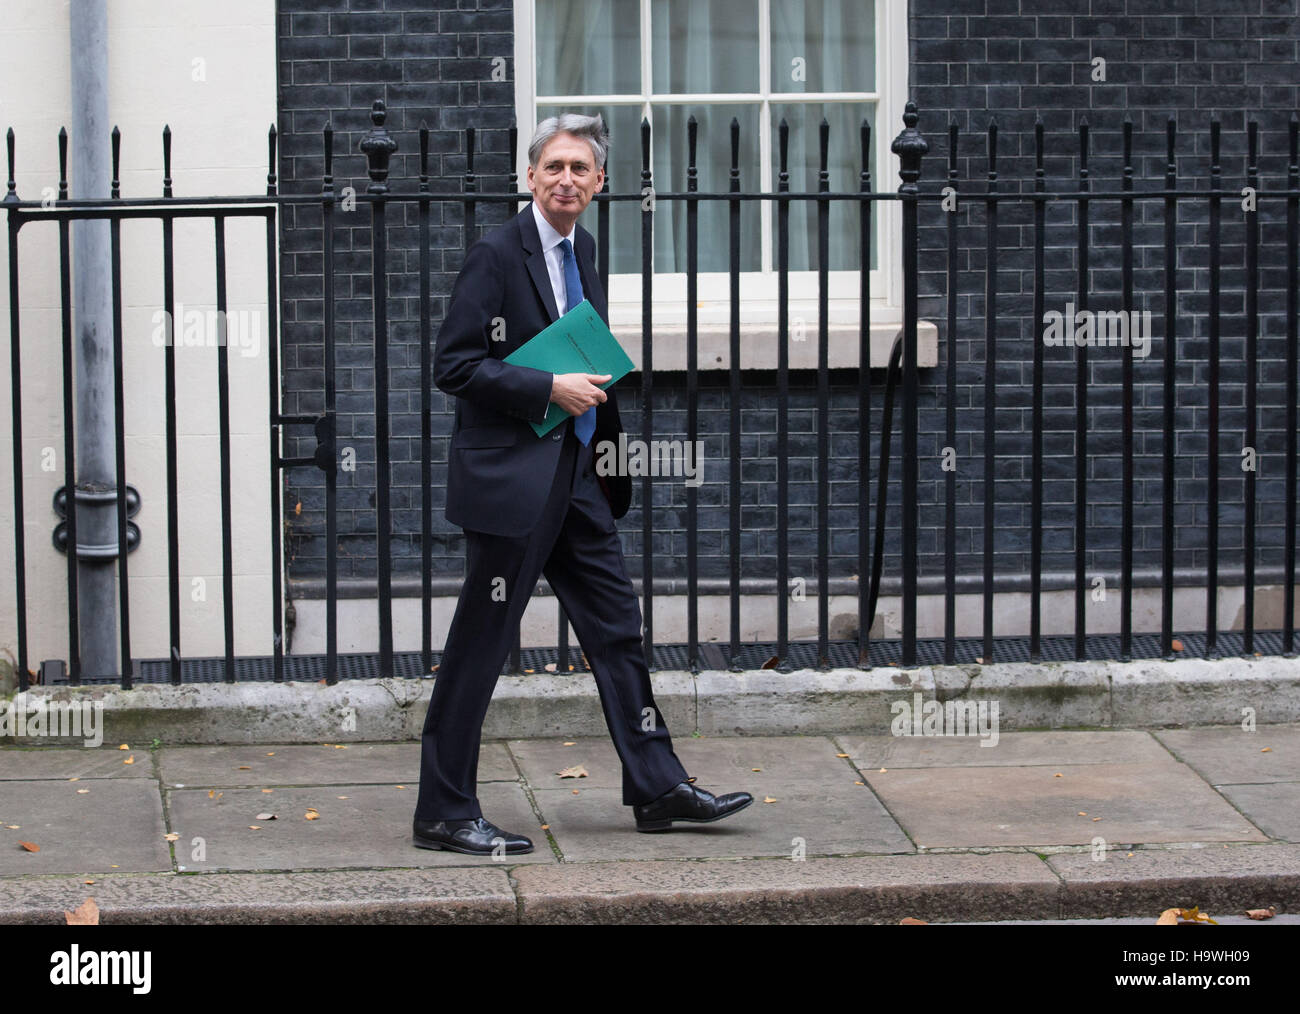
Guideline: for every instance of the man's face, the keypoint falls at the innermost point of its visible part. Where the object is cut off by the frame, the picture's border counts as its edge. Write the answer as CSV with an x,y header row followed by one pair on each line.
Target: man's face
x,y
564,180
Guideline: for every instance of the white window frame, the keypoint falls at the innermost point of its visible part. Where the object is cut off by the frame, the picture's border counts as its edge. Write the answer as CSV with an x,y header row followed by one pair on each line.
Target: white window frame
x,y
758,288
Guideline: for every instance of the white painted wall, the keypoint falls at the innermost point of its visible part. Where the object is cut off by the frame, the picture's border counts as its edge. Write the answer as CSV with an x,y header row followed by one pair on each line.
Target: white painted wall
x,y
208,70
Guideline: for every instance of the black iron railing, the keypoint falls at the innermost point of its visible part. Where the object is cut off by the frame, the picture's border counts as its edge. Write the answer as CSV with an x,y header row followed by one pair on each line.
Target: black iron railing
x,y
779,650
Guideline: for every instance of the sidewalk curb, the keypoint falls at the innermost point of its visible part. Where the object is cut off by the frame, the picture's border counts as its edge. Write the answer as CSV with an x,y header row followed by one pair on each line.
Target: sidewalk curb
x,y
935,887
1146,694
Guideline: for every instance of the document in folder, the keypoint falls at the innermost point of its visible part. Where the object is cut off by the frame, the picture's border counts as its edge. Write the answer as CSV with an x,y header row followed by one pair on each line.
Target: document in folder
x,y
579,342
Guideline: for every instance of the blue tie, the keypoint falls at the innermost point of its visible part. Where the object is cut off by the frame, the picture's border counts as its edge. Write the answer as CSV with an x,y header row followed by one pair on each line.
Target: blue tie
x,y
585,425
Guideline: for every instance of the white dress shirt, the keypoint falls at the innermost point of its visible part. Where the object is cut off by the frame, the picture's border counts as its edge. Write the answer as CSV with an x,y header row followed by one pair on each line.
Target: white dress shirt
x,y
554,259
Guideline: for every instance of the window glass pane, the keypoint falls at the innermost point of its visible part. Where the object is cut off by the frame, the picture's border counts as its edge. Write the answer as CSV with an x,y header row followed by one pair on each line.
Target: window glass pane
x,y
671,155
844,163
704,46
588,47
823,45
623,170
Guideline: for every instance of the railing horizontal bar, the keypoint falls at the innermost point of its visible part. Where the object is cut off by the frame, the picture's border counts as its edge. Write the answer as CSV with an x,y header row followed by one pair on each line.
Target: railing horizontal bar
x,y
154,207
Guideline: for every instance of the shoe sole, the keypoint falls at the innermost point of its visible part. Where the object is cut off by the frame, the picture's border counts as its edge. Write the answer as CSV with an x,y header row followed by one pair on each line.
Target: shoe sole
x,y
659,826
436,846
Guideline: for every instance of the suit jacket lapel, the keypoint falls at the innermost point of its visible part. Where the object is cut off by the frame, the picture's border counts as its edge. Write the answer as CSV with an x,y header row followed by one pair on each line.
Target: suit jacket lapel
x,y
536,260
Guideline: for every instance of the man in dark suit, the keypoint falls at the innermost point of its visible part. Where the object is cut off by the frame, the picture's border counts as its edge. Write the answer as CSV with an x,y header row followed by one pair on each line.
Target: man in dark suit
x,y
533,506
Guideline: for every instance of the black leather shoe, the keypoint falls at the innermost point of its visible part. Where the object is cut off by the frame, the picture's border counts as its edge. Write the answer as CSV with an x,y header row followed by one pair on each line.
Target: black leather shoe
x,y
474,837
687,802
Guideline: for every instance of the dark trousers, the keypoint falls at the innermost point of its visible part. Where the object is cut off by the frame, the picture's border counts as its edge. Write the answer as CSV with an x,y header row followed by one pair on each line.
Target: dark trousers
x,y
575,544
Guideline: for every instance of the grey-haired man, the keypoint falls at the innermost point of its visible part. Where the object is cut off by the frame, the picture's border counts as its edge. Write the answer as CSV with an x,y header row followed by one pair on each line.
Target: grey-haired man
x,y
533,506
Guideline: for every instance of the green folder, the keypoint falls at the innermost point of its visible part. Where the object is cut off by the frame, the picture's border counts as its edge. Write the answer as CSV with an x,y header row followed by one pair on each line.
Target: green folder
x,y
579,342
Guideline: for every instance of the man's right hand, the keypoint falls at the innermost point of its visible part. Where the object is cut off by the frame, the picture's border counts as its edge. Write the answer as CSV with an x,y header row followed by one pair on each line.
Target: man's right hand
x,y
577,392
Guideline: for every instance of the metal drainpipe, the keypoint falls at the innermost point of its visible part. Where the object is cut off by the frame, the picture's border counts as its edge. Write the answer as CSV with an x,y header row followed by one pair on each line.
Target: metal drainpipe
x,y
93,342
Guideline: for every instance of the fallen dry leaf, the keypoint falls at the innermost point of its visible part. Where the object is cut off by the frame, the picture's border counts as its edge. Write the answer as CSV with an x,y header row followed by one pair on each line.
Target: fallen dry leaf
x,y
124,746
550,667
74,779
399,786
909,921
13,827
255,827
1183,916
576,771
1176,644
266,816
575,792
340,797
1267,749
841,755
546,827
311,814
571,743
297,508
29,846
129,760
768,799
271,754
1083,813
85,914
859,783
82,792
172,836
264,791
244,767
755,769
884,770
771,663
87,881
1261,913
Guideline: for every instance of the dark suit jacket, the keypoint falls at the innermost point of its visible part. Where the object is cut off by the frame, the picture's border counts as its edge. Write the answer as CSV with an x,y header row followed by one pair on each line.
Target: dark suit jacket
x,y
499,471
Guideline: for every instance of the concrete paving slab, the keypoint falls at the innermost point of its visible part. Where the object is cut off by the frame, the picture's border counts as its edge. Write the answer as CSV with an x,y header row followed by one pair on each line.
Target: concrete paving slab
x,y
541,759
82,827
1217,878
1273,807
371,828
595,825
718,763
1029,806
332,764
28,764
1227,755
726,764
411,897
1013,749
851,890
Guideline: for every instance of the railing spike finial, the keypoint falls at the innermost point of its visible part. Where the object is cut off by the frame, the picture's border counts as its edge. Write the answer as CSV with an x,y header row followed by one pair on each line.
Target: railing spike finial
x,y
116,138
327,178
12,195
424,157
63,163
167,160
909,146
378,147
271,137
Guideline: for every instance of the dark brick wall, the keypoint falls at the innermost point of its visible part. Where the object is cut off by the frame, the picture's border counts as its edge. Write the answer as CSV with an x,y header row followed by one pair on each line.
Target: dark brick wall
x,y
970,59
1013,61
